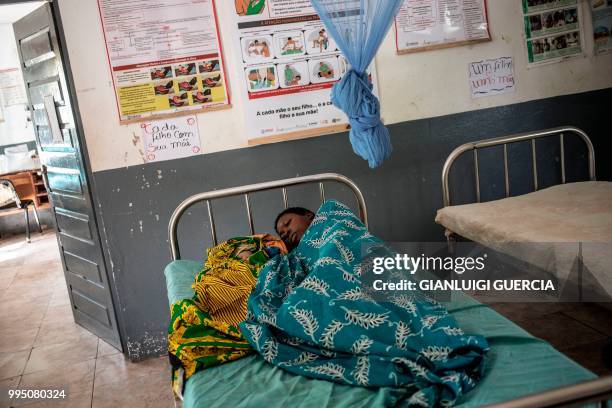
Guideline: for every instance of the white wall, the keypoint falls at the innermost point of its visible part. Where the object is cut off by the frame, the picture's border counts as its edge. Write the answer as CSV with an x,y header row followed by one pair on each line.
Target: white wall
x,y
15,128
435,83
411,86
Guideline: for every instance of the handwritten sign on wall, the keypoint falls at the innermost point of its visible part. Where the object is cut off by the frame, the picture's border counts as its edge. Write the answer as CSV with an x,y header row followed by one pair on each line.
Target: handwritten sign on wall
x,y
491,77
172,138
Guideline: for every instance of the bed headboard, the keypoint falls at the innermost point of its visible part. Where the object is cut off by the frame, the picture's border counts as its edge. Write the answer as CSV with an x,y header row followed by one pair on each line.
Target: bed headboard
x,y
251,188
505,140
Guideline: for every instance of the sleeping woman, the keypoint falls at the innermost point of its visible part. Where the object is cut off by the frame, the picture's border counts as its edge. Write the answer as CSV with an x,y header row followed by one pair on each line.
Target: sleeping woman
x,y
302,303
312,313
291,224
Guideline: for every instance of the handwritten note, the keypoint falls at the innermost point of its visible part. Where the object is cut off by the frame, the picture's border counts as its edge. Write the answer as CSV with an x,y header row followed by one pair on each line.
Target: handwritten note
x,y
171,138
491,77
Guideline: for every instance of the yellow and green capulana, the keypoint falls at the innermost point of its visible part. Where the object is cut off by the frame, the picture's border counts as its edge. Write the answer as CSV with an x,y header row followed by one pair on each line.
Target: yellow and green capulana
x,y
203,330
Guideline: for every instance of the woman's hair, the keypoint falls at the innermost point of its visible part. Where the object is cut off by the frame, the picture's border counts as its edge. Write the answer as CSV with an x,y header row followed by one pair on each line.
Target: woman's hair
x,y
292,210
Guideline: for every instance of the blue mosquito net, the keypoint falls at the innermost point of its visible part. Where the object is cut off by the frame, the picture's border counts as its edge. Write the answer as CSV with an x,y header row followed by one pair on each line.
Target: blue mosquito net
x,y
358,27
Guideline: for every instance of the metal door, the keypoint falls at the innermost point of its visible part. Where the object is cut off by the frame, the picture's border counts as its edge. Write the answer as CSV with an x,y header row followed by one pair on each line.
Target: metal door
x,y
61,155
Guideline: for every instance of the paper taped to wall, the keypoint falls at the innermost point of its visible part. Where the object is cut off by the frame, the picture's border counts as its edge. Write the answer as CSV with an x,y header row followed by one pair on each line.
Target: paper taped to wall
x,y
172,138
491,77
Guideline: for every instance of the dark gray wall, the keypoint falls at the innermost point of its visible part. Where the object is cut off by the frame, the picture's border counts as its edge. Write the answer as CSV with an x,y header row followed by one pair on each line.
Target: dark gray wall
x,y
402,195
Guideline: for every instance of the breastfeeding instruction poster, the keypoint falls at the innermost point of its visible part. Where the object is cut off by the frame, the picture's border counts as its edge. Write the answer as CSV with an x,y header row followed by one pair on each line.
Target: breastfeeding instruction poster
x,y
601,13
422,25
165,57
288,63
552,29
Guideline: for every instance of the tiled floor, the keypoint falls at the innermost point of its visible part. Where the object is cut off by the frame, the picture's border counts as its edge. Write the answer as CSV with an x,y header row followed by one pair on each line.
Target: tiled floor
x,y
42,348
579,330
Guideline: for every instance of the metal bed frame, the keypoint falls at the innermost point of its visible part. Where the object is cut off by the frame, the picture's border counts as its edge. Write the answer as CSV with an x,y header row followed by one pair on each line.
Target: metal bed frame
x,y
505,141
575,395
246,190
597,391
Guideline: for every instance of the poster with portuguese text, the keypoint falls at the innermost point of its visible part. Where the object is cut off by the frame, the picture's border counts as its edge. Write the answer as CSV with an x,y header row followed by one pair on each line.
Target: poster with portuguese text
x,y
288,63
165,57
422,25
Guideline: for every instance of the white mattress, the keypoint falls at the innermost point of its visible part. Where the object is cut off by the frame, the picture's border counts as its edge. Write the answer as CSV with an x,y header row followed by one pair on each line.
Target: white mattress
x,y
544,227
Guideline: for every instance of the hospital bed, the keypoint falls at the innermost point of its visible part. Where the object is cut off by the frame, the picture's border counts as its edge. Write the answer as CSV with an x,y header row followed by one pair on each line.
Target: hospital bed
x,y
547,228
518,364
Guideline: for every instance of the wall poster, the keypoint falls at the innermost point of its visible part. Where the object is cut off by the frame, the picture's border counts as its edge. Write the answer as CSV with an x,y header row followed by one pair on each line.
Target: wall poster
x,y
422,25
552,29
601,13
12,88
288,63
165,57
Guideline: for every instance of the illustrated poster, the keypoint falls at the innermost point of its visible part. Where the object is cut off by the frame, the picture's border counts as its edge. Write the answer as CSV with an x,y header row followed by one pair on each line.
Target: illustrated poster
x,y
165,57
288,63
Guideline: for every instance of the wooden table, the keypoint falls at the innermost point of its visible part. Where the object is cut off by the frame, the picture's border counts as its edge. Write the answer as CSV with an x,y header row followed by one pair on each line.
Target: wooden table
x,y
29,185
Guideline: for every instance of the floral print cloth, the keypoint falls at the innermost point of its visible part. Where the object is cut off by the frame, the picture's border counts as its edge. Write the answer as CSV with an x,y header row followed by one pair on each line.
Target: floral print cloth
x,y
310,315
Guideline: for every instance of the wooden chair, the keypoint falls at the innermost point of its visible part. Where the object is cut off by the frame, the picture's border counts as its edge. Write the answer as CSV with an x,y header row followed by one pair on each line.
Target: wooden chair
x,y
22,204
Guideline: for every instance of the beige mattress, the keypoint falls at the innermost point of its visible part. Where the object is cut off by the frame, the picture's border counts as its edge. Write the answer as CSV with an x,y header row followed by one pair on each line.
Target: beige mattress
x,y
544,227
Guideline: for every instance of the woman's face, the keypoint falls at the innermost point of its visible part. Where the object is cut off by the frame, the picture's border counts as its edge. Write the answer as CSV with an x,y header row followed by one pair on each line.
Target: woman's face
x,y
292,227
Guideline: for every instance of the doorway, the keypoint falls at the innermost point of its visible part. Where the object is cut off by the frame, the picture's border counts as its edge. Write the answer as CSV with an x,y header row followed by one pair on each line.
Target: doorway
x,y
19,164
62,171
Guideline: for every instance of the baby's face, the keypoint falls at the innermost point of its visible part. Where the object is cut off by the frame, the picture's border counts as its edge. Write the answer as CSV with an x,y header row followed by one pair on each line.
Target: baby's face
x,y
292,227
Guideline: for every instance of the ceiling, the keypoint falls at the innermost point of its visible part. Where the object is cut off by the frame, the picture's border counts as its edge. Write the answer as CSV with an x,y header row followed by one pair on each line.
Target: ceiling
x,y
13,12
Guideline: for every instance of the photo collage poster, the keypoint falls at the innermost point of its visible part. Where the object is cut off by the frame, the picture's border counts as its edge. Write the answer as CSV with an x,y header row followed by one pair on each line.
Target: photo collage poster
x,y
552,29
165,57
601,12
288,62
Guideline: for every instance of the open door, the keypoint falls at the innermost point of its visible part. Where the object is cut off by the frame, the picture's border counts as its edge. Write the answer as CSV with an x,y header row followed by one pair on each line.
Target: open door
x,y
62,157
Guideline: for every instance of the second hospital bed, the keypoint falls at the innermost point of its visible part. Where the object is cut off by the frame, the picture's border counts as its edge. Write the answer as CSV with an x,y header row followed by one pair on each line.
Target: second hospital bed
x,y
548,228
518,364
